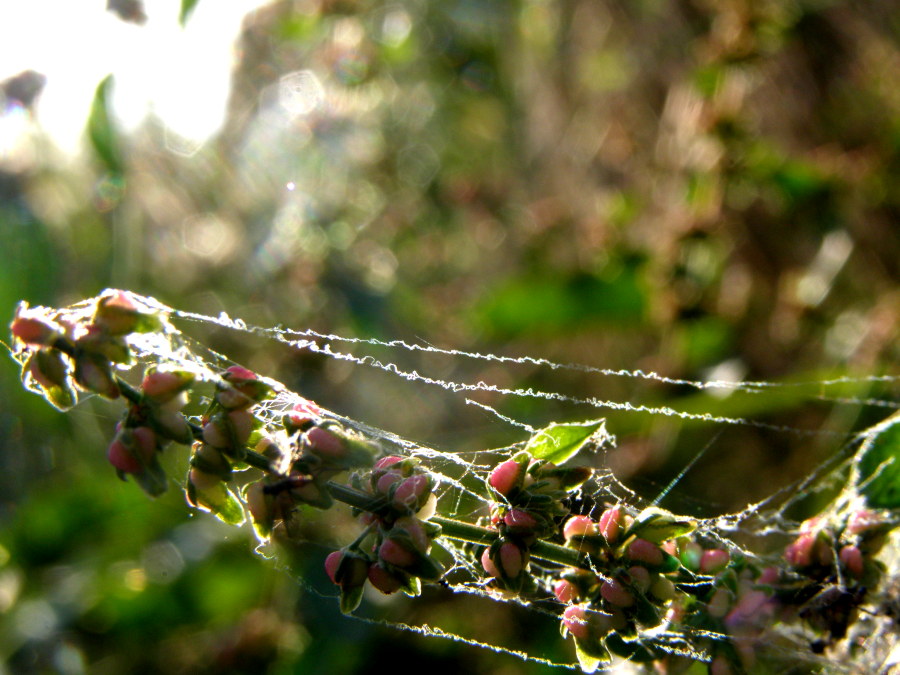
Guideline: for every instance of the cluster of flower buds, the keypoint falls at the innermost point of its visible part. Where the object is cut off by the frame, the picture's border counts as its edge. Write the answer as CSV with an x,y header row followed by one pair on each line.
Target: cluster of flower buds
x,y
62,351
226,429
528,506
398,535
149,424
319,449
632,577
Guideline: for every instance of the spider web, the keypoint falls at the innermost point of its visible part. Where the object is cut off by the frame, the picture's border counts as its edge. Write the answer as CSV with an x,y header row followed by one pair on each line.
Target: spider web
x,y
461,474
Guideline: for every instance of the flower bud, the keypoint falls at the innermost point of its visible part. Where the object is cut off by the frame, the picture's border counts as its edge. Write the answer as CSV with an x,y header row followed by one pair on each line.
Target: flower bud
x,y
93,373
579,526
260,506
241,388
663,589
132,449
643,551
639,578
325,444
162,386
32,327
117,313
800,552
616,594
382,579
506,476
229,430
586,624
396,553
519,521
565,591
610,524
412,493
863,520
852,560
347,568
720,603
713,560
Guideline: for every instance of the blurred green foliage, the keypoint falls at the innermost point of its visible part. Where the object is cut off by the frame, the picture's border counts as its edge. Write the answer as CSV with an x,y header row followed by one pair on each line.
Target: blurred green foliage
x,y
703,189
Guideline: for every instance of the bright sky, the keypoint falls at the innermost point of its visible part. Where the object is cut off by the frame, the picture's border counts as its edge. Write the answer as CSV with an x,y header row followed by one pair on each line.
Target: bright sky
x,y
182,75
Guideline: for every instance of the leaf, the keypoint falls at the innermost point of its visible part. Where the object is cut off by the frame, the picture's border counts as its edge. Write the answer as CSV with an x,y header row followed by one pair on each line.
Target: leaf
x,y
187,8
102,133
588,662
658,525
560,442
878,468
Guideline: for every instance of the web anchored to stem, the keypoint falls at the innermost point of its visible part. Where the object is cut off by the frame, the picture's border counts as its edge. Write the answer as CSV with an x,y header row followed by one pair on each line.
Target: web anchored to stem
x,y
533,523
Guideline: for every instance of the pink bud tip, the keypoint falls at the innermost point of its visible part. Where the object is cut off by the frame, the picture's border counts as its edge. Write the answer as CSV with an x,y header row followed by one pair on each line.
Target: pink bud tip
x,y
383,580
565,591
332,563
411,491
610,524
574,618
641,550
579,526
518,519
512,560
32,330
714,560
395,554
489,567
386,462
800,552
239,373
862,520
852,560
505,476
324,443
616,594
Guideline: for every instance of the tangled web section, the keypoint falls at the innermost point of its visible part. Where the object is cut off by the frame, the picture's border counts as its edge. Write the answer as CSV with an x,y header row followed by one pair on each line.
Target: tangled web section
x,y
458,472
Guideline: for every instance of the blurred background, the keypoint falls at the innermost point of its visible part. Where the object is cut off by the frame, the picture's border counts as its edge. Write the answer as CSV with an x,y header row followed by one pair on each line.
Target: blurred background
x,y
703,189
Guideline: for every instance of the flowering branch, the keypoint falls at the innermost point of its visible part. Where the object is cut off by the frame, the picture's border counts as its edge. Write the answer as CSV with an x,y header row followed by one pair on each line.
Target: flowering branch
x,y
618,578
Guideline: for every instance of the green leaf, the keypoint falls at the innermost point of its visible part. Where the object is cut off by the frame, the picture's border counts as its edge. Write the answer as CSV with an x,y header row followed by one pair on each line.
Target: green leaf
x,y
658,525
187,8
351,596
560,442
102,133
878,468
589,662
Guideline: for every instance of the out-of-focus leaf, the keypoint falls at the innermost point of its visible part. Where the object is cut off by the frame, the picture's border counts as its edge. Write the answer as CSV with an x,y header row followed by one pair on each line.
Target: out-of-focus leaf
x,y
541,305
560,442
878,469
102,132
187,8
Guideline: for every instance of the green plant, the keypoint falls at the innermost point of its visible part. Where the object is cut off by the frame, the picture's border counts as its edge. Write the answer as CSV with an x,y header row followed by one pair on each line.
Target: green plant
x,y
641,584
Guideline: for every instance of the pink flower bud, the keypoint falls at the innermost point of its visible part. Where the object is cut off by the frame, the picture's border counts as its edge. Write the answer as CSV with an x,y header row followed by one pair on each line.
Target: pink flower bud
x,y
386,481
520,520
412,492
641,550
415,529
394,553
117,313
489,567
92,372
852,561
332,563
579,526
769,576
512,560
386,462
228,431
203,481
260,505
32,328
714,560
325,443
565,591
800,552
575,620
383,580
611,523
164,385
616,594
506,476
132,449
639,577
